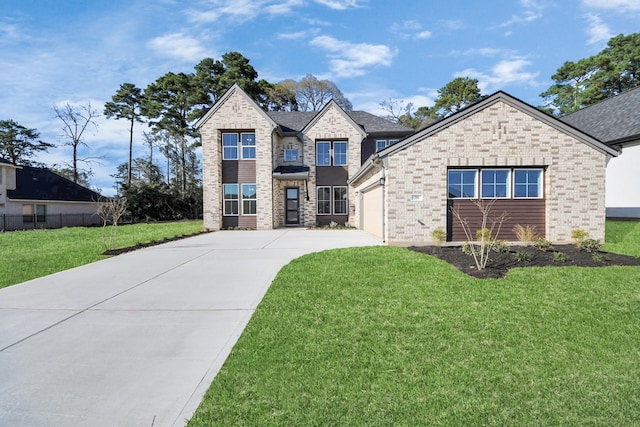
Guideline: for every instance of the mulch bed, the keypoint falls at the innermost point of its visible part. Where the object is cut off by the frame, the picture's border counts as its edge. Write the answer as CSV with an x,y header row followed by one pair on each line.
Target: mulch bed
x,y
119,251
500,263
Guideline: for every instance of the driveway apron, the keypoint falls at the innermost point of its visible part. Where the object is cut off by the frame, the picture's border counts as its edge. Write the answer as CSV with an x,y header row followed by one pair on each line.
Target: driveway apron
x,y
135,340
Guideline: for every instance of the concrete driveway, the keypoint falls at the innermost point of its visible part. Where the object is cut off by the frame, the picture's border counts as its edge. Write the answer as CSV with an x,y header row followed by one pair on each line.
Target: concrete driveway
x,y
135,340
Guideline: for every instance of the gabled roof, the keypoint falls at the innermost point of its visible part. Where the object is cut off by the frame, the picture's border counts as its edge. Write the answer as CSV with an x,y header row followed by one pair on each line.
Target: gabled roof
x,y
333,104
499,96
233,89
614,120
42,184
295,121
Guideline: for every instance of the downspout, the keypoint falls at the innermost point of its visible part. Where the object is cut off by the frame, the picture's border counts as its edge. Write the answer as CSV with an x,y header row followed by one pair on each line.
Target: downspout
x,y
382,184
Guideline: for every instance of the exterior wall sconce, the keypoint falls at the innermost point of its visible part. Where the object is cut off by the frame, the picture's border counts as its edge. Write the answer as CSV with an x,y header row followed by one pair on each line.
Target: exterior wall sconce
x,y
382,179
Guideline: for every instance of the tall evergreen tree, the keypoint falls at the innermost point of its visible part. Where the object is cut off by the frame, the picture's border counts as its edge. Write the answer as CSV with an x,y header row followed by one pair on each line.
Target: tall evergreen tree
x,y
19,144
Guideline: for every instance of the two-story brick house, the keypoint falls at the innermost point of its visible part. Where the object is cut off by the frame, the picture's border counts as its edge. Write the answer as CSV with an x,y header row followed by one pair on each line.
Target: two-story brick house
x,y
272,169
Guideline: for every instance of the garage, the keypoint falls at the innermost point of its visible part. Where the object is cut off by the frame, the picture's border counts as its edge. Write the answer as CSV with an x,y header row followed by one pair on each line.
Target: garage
x,y
372,211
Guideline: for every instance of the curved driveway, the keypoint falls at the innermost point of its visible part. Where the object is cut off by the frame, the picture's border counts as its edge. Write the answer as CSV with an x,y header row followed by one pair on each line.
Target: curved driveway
x,y
135,340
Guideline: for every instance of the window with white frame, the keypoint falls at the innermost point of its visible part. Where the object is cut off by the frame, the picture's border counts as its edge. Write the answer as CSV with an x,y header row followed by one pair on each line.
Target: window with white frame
x,y
238,145
333,200
495,183
291,155
248,145
527,183
381,144
340,200
324,200
332,153
340,153
248,199
462,183
231,200
504,183
323,153
31,212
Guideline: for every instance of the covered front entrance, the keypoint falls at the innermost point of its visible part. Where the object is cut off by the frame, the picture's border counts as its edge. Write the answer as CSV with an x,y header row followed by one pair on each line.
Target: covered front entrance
x,y
292,206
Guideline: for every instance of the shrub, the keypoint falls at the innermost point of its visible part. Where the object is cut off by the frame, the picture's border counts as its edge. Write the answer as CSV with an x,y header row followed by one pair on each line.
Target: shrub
x,y
439,236
500,246
598,257
590,245
522,256
560,257
542,244
467,249
578,235
525,234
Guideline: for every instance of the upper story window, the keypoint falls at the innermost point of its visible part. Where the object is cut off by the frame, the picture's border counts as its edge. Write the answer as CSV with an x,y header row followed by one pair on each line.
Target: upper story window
x,y
231,150
248,145
495,183
381,144
291,155
331,153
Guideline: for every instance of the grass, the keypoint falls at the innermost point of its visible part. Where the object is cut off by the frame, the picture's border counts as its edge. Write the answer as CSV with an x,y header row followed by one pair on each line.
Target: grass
x,y
623,237
30,254
387,336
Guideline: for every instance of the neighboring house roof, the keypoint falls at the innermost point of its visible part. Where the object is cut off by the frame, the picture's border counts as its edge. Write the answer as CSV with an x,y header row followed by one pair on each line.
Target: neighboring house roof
x,y
615,120
499,96
42,184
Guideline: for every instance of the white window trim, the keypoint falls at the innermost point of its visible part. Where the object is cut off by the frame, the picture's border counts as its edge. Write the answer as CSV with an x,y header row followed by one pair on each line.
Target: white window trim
x,y
330,199
330,153
241,147
297,159
333,202
224,200
541,185
255,200
224,157
509,180
475,188
346,153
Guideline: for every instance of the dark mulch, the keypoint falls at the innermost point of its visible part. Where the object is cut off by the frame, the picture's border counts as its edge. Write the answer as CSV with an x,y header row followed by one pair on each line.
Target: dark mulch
x,y
119,251
500,263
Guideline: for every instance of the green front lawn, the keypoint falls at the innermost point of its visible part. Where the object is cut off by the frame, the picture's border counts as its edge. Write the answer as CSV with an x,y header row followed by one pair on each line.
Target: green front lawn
x,y
387,336
26,255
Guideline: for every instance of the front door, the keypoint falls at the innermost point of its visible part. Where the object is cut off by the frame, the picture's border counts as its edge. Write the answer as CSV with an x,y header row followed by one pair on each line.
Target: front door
x,y
292,206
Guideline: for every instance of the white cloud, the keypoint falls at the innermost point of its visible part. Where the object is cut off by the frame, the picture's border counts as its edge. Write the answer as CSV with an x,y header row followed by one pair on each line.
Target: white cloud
x,y
452,24
352,59
179,45
504,73
297,35
532,12
411,29
240,10
482,51
597,30
340,4
618,5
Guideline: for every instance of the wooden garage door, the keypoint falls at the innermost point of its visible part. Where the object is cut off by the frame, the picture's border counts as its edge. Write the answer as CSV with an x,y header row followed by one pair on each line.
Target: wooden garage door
x,y
372,211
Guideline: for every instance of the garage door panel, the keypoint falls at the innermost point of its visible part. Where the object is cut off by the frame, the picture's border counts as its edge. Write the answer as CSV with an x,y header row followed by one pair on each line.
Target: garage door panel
x,y
372,211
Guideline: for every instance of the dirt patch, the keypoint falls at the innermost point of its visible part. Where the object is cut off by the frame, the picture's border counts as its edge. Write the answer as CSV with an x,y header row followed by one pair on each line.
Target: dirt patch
x,y
112,252
501,262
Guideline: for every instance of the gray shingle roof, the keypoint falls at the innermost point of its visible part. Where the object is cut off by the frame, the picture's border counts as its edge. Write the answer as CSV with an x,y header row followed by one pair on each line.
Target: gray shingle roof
x,y
616,119
42,184
295,121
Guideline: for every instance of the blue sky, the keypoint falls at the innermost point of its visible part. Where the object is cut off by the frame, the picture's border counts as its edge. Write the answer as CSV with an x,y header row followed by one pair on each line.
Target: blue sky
x,y
81,51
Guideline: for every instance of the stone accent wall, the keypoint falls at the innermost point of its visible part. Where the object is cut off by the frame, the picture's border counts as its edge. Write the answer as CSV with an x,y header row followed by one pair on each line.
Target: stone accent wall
x,y
332,125
499,135
237,113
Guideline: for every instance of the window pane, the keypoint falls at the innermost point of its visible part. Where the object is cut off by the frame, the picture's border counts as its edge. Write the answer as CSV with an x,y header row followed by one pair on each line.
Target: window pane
x,y
340,200
324,200
248,199
381,144
230,146
462,184
248,146
495,183
527,183
291,155
230,198
323,153
339,153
